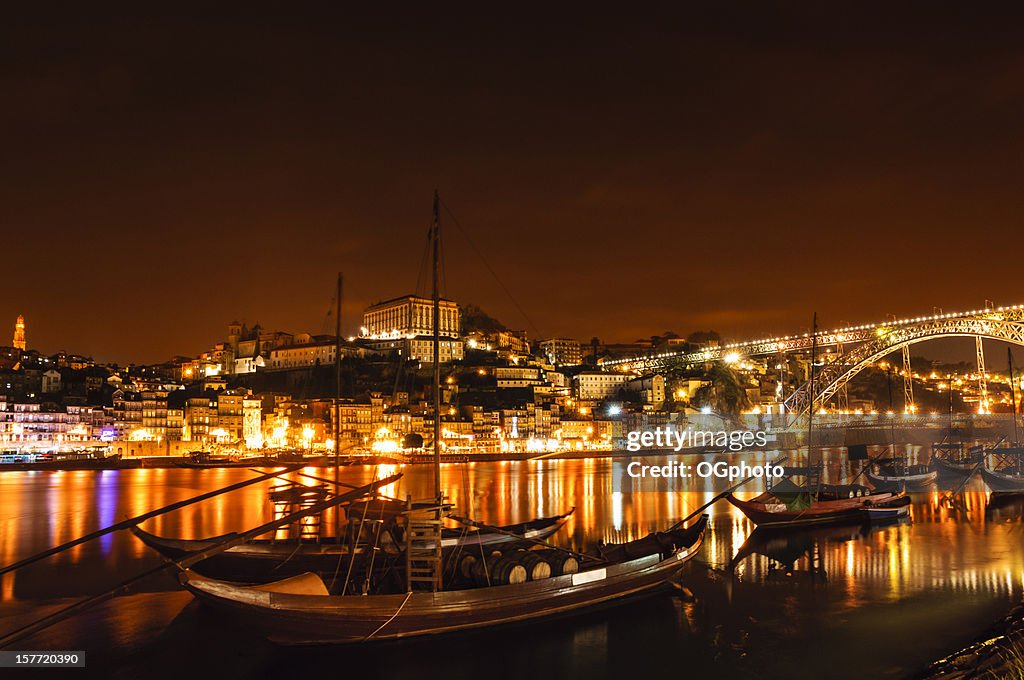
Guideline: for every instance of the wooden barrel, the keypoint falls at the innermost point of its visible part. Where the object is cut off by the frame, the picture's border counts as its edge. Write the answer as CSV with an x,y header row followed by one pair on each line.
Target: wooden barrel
x,y
561,562
500,572
466,563
536,566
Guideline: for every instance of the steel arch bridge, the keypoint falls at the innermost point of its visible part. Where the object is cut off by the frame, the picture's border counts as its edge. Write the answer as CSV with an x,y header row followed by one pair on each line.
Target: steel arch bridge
x,y
856,348
1006,324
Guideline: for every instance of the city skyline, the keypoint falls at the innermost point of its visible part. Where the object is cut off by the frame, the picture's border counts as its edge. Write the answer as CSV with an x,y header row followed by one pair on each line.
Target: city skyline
x,y
210,174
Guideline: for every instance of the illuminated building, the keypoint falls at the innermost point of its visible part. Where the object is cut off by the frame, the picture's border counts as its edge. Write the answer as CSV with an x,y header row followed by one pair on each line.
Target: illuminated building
x,y
563,351
512,341
594,385
200,418
127,412
162,414
409,316
252,421
405,325
517,376
305,355
50,382
19,333
421,348
42,426
651,389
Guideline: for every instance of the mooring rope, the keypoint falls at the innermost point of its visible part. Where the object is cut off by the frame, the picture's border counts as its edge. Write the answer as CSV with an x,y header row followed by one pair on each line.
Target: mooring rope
x,y
397,612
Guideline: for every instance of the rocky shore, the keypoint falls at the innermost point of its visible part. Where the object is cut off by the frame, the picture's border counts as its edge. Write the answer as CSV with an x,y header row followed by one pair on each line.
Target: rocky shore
x,y
999,653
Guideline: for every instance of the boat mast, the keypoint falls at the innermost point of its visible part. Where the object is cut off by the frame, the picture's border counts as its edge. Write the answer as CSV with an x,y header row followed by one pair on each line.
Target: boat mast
x,y
892,418
949,384
810,412
337,400
1013,398
436,233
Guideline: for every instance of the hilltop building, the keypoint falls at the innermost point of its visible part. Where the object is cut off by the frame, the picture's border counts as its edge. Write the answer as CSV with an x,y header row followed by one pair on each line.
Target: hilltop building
x,y
406,325
19,334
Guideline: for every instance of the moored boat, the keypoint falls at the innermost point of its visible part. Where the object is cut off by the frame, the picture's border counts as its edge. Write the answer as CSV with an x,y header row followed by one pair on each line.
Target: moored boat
x,y
265,559
894,475
301,610
951,461
1004,470
1007,479
890,511
772,510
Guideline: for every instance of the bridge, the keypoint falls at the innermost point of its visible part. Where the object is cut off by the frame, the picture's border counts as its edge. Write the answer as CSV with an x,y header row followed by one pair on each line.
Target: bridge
x,y
849,350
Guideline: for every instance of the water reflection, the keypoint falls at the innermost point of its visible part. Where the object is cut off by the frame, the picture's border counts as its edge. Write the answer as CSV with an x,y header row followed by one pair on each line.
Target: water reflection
x,y
755,591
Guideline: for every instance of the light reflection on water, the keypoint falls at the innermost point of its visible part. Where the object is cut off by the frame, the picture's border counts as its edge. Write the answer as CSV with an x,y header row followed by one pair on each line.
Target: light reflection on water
x,y
771,595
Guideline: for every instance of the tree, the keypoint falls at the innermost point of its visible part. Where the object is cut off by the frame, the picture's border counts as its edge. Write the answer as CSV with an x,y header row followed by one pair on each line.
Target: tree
x,y
704,337
476,319
725,394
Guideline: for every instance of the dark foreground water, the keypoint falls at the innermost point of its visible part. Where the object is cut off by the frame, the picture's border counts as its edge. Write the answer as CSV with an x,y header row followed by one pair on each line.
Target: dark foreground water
x,y
847,602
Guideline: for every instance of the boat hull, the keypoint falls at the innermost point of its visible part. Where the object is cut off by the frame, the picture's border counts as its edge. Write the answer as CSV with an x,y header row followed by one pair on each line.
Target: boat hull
x,y
911,481
949,469
306,619
999,481
841,511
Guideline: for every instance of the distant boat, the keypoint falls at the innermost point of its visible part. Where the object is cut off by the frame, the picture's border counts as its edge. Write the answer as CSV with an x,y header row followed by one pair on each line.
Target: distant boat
x,y
787,505
75,460
891,511
950,460
894,474
205,459
1005,471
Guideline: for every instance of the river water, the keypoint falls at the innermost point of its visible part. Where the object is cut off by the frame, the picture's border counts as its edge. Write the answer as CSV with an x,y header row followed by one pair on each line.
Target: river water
x,y
843,602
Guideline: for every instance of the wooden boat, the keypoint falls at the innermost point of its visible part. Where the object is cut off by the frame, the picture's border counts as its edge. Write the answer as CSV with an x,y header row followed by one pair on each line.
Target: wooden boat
x,y
300,610
1005,471
204,459
1006,479
891,511
894,475
950,460
787,505
264,559
67,462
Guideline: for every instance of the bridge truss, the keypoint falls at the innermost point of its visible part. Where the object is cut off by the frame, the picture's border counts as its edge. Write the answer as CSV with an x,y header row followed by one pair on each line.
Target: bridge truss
x,y
1005,325
856,347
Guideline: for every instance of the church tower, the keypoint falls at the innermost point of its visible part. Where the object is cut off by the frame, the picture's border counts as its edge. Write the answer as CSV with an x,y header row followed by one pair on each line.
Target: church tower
x,y
19,333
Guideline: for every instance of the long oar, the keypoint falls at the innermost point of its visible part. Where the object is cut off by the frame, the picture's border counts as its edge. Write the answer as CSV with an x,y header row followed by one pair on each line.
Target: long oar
x,y
190,559
342,484
720,497
535,541
124,524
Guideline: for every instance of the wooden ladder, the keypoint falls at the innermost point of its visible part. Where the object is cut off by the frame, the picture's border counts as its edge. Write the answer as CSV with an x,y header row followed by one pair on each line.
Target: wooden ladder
x,y
423,547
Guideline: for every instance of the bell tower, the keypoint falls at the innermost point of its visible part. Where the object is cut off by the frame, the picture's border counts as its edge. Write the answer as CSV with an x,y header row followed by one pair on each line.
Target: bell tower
x,y
19,333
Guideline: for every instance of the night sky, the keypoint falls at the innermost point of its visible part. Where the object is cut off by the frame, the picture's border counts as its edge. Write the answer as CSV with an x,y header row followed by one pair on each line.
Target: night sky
x,y
721,167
